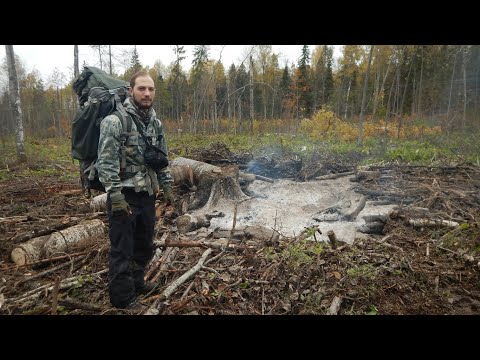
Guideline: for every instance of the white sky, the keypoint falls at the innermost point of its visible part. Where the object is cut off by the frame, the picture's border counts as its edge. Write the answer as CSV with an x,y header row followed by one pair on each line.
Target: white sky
x,y
45,58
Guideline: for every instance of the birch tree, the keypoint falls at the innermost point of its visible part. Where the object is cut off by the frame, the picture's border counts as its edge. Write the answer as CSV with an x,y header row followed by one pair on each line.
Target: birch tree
x,y
76,70
364,98
15,103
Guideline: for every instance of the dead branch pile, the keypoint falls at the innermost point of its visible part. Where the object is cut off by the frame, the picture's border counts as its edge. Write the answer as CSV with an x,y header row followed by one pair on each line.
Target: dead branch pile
x,y
407,270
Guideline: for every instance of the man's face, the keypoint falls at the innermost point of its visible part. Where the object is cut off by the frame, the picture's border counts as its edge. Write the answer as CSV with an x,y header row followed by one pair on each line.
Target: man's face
x,y
143,92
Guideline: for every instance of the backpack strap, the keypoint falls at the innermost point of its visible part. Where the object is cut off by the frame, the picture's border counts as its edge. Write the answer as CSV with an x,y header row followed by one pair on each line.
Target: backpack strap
x,y
126,121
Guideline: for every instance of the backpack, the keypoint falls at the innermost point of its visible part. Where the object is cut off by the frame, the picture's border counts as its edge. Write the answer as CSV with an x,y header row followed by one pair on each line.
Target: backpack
x,y
99,94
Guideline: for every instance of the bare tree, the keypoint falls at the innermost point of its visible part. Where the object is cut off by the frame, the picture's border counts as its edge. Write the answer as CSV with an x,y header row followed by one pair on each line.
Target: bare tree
x,y
251,94
364,98
76,70
110,58
15,103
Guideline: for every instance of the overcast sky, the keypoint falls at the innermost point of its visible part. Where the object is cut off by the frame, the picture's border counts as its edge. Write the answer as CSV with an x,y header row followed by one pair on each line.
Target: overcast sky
x,y
45,58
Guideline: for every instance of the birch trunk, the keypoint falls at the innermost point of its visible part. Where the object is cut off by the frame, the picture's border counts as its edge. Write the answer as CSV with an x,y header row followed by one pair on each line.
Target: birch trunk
x,y
15,103
61,241
364,99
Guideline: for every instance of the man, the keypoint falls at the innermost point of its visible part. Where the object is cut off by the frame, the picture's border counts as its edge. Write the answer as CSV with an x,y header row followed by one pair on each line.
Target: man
x,y
131,191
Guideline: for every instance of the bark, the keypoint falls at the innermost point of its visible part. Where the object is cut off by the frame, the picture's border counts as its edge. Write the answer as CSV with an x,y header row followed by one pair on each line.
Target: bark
x,y
61,241
183,175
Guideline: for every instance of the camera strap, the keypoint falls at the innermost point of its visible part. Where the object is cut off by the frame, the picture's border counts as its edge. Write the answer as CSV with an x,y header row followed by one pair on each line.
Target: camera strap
x,y
147,140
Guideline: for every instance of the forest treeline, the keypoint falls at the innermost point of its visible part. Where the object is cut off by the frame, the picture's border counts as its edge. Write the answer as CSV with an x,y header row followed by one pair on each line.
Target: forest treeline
x,y
432,85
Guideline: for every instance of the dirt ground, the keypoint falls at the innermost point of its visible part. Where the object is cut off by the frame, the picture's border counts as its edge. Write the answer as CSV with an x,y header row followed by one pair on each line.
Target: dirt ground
x,y
401,269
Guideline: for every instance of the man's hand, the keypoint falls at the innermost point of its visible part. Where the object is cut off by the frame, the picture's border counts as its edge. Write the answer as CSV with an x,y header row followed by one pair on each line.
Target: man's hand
x,y
168,196
119,205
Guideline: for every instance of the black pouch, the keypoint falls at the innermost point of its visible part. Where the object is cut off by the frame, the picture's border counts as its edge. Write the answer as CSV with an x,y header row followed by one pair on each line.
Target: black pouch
x,y
155,159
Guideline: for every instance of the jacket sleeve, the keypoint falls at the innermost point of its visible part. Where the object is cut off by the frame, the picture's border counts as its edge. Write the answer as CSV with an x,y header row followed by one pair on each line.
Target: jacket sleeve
x,y
108,162
164,175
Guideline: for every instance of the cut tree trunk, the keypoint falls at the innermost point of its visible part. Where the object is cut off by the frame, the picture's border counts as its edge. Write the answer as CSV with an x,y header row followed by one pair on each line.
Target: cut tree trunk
x,y
61,241
213,183
187,223
99,203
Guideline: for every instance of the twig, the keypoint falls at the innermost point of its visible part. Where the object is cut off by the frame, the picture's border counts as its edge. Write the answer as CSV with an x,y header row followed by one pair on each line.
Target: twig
x,y
263,301
175,284
212,270
43,273
235,208
220,254
76,304
453,252
187,290
64,284
55,295
47,260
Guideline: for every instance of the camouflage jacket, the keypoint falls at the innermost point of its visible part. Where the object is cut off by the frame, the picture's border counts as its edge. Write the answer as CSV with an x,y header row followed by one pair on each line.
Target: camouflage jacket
x,y
138,175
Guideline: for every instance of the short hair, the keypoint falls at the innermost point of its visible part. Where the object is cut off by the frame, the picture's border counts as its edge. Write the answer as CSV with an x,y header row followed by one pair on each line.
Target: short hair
x,y
134,77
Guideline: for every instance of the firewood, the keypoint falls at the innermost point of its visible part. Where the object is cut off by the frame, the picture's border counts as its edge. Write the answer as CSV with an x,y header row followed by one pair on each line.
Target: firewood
x,y
61,241
187,223
333,176
432,223
99,203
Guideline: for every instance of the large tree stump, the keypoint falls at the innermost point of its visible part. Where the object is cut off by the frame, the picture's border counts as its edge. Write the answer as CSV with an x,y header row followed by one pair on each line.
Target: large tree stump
x,y
45,246
213,183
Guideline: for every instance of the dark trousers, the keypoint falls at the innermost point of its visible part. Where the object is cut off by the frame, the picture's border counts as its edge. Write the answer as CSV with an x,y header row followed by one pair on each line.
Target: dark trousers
x,y
131,240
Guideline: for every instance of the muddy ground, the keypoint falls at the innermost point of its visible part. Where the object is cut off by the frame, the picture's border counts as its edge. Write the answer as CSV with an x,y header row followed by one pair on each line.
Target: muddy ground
x,y
402,269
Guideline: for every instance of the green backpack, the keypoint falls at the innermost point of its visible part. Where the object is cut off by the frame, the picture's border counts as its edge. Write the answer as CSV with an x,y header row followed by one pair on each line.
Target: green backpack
x,y
99,94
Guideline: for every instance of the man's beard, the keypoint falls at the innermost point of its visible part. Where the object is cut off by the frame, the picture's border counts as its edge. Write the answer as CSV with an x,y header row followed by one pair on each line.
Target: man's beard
x,y
141,106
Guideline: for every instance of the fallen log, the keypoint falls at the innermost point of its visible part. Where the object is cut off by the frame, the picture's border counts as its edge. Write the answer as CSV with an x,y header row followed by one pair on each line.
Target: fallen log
x,y
374,227
47,231
432,223
99,203
187,223
257,233
354,213
364,175
334,176
335,306
58,242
